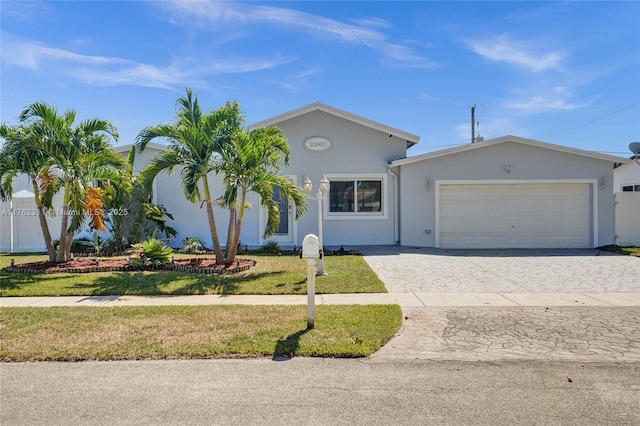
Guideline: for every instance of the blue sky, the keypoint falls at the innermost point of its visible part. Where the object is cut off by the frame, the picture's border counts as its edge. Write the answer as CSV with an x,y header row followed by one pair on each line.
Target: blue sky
x,y
560,72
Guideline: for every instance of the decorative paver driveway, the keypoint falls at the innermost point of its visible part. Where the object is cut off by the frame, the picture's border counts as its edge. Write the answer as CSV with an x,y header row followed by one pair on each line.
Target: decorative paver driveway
x,y
409,270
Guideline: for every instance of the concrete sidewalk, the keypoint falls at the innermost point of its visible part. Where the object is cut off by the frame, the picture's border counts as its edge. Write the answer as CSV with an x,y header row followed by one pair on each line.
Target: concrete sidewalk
x,y
405,300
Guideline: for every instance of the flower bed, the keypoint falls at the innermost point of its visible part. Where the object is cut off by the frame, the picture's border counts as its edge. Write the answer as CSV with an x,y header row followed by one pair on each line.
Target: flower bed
x,y
86,265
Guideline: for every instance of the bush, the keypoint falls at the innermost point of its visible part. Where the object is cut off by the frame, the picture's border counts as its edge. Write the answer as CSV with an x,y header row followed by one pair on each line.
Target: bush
x,y
270,247
114,247
79,245
155,251
192,245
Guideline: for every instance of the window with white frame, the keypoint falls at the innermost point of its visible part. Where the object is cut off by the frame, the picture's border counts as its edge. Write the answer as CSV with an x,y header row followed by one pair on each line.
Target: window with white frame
x,y
356,196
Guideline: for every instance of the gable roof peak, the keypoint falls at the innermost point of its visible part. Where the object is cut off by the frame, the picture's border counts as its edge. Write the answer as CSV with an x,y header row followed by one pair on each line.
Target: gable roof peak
x,y
319,106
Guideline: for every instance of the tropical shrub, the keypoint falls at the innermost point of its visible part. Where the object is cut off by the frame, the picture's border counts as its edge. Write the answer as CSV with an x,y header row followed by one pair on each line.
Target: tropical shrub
x,y
192,245
79,245
154,250
270,247
114,246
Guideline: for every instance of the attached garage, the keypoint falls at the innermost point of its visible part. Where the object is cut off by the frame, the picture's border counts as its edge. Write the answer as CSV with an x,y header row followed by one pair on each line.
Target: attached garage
x,y
514,215
508,192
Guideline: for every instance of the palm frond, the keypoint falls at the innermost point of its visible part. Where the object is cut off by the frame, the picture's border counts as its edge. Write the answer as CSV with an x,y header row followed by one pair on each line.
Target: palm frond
x,y
167,161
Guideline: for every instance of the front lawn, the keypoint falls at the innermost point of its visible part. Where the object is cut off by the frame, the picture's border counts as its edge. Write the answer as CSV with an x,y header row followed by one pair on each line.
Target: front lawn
x,y
271,275
171,332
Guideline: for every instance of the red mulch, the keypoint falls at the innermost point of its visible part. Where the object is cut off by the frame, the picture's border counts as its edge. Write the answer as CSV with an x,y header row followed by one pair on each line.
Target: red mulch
x,y
88,263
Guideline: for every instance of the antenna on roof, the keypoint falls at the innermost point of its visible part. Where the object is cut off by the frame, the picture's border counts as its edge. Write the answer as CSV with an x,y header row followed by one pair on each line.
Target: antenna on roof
x,y
474,123
635,148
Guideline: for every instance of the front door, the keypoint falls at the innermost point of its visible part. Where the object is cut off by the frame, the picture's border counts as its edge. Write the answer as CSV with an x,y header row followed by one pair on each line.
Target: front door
x,y
284,235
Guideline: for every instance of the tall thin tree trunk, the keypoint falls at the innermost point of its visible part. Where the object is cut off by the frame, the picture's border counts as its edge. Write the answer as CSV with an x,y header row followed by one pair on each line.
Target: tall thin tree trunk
x,y
212,222
231,256
230,230
61,255
46,233
68,244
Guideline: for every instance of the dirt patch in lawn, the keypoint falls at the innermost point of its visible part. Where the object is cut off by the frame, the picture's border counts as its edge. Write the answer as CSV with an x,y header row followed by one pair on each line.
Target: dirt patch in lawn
x,y
87,265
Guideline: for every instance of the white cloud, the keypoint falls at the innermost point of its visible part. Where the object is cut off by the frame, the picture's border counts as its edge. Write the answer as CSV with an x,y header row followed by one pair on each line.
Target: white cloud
x,y
109,71
211,11
25,11
295,81
372,22
542,103
519,53
405,57
32,54
558,98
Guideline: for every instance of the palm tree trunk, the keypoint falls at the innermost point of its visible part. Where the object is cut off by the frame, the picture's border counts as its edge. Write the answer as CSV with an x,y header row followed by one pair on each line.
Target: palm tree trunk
x,y
61,255
231,256
230,230
212,222
46,233
68,244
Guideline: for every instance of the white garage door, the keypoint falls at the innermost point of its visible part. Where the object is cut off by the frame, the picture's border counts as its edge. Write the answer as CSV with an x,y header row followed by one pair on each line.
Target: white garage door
x,y
515,216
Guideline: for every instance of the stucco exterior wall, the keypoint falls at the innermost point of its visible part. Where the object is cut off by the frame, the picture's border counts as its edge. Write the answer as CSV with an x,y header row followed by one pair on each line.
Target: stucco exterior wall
x,y
355,150
488,163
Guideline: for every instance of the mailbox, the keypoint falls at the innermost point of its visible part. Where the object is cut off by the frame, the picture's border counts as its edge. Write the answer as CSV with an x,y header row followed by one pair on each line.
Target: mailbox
x,y
310,247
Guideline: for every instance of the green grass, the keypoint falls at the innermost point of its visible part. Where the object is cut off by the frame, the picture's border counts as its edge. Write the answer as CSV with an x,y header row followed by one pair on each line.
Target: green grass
x,y
271,275
629,251
177,332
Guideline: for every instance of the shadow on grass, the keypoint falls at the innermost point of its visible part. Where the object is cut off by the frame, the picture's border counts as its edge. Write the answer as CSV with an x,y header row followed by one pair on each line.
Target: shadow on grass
x,y
169,283
286,348
15,280
296,286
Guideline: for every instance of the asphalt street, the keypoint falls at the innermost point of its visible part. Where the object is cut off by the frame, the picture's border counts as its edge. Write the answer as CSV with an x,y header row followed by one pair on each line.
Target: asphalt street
x,y
320,392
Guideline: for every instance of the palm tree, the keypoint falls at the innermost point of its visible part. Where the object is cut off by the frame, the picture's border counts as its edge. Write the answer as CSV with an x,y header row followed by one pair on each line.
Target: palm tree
x,y
76,156
195,140
17,158
251,163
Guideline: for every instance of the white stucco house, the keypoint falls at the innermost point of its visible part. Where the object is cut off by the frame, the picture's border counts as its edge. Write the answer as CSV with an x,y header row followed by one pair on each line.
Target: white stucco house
x,y
626,186
508,192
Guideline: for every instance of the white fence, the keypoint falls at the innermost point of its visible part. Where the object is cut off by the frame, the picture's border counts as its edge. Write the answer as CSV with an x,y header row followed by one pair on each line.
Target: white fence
x,y
20,229
628,219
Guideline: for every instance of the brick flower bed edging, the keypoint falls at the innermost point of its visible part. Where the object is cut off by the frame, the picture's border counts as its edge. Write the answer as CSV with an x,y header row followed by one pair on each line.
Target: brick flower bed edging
x,y
129,268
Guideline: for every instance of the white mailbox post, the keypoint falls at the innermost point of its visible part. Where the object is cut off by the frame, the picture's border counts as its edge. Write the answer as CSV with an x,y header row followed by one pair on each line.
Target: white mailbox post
x,y
311,251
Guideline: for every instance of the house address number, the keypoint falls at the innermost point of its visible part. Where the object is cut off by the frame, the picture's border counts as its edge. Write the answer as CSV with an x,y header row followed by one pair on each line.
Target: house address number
x,y
317,143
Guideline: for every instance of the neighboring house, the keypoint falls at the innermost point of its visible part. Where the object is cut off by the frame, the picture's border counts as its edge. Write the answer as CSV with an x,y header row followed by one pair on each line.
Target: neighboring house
x,y
626,177
626,186
505,192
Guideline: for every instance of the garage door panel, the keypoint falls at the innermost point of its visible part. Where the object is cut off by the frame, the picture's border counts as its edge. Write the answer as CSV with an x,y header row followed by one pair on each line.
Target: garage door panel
x,y
515,216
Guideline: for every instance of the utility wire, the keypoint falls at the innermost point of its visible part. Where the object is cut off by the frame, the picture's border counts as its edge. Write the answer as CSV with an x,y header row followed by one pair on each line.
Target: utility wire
x,y
594,120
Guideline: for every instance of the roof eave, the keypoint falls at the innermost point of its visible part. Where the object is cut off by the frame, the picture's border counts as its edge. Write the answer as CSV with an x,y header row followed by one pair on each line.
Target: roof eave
x,y
127,147
509,138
